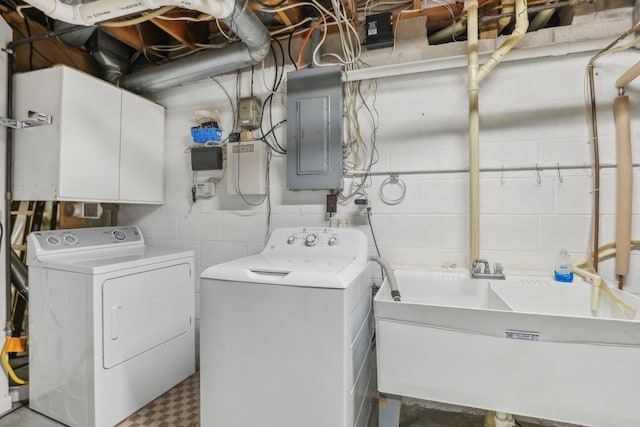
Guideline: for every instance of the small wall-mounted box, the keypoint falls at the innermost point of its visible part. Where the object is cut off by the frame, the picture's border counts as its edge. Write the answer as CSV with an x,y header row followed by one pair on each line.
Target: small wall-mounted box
x,y
206,158
379,31
249,112
246,168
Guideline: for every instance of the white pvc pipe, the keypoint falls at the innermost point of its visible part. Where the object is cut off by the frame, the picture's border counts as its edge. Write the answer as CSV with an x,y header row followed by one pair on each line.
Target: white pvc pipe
x,y
474,130
522,23
476,75
629,76
448,33
541,20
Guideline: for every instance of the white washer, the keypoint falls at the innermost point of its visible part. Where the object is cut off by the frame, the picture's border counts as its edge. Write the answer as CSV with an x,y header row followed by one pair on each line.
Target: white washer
x,y
110,323
285,335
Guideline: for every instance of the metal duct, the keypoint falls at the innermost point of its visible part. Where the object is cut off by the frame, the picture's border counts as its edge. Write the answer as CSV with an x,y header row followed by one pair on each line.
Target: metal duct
x,y
76,38
243,22
235,13
19,275
111,54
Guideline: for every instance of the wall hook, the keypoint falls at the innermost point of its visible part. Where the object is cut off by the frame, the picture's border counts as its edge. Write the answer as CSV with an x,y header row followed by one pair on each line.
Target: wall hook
x,y
502,177
559,174
538,178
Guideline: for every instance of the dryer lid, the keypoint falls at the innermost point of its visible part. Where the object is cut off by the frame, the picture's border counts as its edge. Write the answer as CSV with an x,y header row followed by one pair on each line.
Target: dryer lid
x,y
320,272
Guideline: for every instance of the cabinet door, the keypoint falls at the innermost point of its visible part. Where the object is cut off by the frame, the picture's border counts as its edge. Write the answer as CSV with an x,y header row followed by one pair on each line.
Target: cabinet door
x,y
37,150
141,151
89,138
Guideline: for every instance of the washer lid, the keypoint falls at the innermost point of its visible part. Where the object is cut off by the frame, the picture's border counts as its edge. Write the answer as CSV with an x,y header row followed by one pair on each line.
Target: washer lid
x,y
321,272
108,260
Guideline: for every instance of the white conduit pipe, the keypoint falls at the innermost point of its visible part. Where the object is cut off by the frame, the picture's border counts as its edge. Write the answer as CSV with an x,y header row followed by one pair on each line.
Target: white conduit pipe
x,y
476,75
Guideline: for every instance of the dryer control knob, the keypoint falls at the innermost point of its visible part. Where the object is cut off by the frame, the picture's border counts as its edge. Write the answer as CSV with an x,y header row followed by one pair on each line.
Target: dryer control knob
x,y
53,240
291,239
311,240
119,235
332,240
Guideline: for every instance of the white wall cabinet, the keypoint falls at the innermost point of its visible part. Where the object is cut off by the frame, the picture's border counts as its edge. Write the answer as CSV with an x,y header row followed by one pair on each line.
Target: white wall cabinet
x,y
105,144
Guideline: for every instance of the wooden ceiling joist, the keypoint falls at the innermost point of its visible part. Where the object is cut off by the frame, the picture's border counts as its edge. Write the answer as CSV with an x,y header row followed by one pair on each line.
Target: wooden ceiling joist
x,y
139,36
187,33
47,52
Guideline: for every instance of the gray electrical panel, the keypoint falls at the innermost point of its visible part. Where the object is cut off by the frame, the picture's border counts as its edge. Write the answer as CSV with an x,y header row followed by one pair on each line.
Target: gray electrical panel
x,y
314,129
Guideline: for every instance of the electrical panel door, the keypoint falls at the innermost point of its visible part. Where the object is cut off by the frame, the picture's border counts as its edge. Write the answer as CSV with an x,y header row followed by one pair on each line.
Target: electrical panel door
x,y
314,129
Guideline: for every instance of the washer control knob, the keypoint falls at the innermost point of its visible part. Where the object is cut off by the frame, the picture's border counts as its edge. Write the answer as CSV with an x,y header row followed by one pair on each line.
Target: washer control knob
x,y
119,235
53,240
70,239
332,240
311,240
291,239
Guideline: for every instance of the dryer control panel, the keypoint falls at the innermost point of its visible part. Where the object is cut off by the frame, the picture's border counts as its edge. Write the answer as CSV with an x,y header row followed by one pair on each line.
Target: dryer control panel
x,y
54,241
317,241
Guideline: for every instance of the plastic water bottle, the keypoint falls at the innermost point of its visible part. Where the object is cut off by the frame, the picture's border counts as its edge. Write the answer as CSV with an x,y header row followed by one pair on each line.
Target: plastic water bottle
x,y
563,271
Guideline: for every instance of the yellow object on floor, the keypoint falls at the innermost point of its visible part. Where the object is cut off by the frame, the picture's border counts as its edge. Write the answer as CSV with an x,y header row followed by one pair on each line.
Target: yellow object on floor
x,y
12,345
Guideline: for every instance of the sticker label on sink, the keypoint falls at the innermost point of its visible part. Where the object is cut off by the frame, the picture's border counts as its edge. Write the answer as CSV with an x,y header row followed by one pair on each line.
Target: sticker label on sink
x,y
525,336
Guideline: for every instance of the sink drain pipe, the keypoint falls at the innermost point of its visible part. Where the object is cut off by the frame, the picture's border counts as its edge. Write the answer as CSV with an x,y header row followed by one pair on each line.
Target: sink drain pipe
x,y
476,74
391,277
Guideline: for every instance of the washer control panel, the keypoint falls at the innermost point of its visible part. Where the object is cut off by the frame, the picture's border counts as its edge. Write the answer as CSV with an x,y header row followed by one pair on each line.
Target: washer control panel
x,y
313,237
85,237
317,242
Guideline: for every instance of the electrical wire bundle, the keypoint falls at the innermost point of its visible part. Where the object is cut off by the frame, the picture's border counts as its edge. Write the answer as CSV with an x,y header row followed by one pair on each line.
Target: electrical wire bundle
x,y
274,145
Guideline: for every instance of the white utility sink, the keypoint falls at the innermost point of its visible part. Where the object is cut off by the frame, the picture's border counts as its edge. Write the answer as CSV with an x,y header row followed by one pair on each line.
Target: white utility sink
x,y
526,345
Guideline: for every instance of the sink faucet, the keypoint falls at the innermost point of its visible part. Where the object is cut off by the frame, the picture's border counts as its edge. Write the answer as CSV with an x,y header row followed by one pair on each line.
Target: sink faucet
x,y
478,272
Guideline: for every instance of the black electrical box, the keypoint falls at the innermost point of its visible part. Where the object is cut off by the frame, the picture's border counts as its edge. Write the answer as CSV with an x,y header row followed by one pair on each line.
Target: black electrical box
x,y
379,31
206,158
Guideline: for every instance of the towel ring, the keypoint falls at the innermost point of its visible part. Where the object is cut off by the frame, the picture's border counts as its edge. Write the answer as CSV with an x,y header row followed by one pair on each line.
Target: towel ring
x,y
393,180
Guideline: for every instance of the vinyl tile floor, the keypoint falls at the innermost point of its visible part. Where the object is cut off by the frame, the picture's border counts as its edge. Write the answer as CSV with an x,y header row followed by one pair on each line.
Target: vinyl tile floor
x,y
180,407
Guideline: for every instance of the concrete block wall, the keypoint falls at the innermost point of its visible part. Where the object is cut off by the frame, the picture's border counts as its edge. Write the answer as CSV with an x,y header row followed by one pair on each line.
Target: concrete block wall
x,y
532,113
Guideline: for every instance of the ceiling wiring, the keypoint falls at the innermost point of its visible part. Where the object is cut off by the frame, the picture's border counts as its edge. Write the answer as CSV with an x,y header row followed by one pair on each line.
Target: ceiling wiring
x,y
224,34
291,27
205,18
139,20
233,108
306,39
277,80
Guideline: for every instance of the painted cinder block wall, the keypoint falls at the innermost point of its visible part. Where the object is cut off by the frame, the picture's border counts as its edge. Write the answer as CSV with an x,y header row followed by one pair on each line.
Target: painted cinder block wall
x,y
532,113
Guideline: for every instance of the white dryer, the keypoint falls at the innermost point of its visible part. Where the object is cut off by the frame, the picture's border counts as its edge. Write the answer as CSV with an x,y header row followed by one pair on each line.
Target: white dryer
x,y
285,335
111,323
